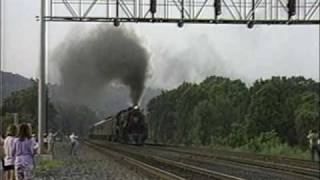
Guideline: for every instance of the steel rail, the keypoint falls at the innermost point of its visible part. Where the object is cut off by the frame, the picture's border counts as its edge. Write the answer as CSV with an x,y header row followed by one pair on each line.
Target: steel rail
x,y
186,167
289,169
159,173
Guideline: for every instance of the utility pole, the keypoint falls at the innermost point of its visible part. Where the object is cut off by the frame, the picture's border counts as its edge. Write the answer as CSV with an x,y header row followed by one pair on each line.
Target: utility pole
x,y
42,84
1,73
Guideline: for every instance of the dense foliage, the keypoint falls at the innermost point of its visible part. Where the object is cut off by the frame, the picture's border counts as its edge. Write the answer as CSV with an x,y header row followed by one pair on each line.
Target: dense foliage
x,y
61,116
25,103
73,118
227,112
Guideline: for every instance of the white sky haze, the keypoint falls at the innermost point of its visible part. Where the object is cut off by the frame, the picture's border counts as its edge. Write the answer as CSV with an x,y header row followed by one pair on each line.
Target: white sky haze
x,y
190,53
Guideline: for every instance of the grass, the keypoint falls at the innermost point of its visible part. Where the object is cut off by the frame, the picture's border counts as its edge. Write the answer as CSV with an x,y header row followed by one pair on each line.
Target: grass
x,y
46,165
285,150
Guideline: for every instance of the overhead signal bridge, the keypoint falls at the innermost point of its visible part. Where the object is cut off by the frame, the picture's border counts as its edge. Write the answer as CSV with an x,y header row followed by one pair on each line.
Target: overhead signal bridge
x,y
248,12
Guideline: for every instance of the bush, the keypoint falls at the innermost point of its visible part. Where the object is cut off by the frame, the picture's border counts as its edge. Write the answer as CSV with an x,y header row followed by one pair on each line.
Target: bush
x,y
267,143
265,140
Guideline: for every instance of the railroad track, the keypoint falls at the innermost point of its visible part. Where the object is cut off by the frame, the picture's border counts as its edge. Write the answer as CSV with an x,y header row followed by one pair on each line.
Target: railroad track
x,y
276,159
268,158
162,168
138,165
293,170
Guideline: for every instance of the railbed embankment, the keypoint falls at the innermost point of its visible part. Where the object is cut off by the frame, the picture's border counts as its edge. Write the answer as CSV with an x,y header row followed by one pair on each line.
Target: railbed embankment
x,y
88,164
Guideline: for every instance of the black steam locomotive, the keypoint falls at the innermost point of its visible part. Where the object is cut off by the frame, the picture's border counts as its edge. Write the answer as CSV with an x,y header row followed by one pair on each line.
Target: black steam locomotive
x,y
127,126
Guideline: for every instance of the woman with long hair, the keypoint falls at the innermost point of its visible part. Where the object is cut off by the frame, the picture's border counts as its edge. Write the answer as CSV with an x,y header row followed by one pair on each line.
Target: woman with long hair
x,y
8,146
24,151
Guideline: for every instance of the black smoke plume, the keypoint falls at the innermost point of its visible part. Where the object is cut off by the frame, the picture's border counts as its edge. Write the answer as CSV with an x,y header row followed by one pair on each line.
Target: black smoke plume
x,y
89,62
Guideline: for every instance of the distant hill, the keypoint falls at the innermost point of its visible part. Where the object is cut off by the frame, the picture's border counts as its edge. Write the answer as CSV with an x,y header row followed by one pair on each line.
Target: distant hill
x,y
116,98
12,82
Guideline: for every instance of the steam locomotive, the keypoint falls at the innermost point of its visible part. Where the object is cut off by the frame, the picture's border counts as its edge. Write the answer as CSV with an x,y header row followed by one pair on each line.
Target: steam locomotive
x,y
127,126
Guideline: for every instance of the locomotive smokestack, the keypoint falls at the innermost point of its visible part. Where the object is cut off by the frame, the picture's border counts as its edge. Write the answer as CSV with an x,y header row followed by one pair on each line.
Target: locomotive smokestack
x,y
90,61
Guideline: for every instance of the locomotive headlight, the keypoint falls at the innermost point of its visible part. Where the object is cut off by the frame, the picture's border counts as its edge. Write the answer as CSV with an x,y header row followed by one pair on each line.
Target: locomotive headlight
x,y
135,107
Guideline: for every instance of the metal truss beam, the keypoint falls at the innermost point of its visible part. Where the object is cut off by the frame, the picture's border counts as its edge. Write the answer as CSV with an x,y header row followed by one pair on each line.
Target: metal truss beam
x,y
185,11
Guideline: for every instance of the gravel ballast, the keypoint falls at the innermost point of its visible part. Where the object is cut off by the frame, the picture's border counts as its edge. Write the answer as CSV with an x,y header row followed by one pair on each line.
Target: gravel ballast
x,y
88,164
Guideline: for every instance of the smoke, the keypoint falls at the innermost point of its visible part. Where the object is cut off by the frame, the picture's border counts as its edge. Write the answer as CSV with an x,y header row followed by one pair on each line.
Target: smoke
x,y
188,62
88,62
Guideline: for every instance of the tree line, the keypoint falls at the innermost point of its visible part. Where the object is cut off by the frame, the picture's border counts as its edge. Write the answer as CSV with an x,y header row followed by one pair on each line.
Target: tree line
x,y
62,117
221,111
217,111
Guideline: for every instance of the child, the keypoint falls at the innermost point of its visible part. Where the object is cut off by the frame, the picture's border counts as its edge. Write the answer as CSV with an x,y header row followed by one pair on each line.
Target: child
x,y
24,151
8,156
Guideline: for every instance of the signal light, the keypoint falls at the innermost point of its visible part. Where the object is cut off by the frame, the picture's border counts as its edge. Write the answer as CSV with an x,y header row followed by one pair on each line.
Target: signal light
x,y
291,8
180,23
250,24
217,7
116,22
153,6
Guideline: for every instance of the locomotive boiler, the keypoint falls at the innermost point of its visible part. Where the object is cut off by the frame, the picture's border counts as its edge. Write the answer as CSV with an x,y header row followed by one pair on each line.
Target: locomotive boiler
x,y
127,126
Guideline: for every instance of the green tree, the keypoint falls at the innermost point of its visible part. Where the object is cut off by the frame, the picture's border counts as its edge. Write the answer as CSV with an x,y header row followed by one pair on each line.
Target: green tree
x,y
25,103
73,118
227,112
306,115
273,106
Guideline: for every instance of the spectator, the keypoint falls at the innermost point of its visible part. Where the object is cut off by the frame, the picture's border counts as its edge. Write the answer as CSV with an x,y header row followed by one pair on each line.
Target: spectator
x,y
1,155
318,148
9,156
24,151
35,140
51,139
313,137
74,144
45,141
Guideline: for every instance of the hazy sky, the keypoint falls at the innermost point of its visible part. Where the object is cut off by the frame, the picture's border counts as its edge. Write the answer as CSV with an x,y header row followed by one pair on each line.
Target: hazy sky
x,y
190,53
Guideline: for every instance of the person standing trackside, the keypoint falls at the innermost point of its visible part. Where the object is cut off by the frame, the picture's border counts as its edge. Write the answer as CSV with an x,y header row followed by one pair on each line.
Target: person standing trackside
x,y
318,148
1,155
313,138
74,143
34,138
24,151
51,138
8,146
45,141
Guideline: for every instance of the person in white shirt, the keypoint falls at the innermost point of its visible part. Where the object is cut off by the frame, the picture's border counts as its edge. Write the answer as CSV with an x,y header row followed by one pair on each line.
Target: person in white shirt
x,y
45,141
74,144
313,138
51,139
8,145
34,138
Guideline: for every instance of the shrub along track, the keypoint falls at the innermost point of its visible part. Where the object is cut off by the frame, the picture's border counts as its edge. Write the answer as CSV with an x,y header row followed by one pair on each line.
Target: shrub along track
x,y
157,167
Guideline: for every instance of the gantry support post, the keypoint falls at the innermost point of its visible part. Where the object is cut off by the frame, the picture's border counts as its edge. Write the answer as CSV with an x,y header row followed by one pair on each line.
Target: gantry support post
x,y
42,84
